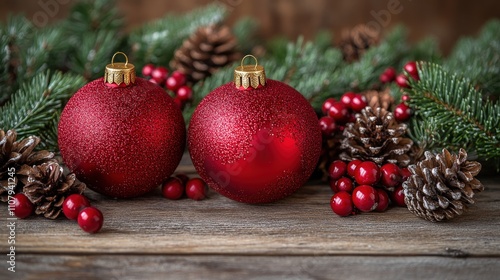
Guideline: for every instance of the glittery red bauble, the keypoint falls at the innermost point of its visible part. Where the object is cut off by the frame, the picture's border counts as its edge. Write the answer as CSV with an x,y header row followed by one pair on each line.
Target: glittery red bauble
x,y
123,141
257,145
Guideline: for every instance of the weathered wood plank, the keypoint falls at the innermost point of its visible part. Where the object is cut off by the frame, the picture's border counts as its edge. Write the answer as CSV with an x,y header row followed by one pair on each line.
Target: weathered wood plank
x,y
300,224
253,267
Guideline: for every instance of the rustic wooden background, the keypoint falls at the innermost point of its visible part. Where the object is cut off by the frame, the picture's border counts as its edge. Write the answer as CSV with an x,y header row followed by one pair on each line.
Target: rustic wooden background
x,y
446,20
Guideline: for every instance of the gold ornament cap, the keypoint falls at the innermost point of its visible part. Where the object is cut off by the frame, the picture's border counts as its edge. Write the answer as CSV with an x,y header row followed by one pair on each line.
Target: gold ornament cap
x,y
119,72
249,75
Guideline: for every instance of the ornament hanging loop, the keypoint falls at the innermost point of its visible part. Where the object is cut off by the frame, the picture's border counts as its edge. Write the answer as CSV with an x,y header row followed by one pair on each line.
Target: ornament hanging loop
x,y
247,56
113,58
246,76
119,73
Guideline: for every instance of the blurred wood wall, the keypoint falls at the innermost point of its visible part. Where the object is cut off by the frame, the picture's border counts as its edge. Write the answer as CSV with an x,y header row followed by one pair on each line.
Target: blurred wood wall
x,y
446,20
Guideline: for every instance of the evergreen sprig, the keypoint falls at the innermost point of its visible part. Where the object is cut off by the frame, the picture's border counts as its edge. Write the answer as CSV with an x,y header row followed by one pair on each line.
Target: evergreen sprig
x,y
451,113
34,109
479,58
93,31
155,42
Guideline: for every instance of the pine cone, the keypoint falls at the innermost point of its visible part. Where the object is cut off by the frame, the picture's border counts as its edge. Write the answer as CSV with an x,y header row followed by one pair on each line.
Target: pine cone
x,y
47,188
205,51
356,41
382,99
376,136
16,154
441,186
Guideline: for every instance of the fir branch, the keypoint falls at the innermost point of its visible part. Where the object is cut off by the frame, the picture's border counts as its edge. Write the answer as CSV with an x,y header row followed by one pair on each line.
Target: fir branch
x,y
451,113
156,42
244,30
5,83
93,15
479,59
94,53
34,109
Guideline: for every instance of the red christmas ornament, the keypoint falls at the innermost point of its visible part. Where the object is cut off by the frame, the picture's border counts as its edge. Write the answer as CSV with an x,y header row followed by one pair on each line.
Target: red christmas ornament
x,y
254,140
121,141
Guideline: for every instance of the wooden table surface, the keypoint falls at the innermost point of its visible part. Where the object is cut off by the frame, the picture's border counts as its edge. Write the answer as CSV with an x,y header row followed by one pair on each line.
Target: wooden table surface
x,y
295,238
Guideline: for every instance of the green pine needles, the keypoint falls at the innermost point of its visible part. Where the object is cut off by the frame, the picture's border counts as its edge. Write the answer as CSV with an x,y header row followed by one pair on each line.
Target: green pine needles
x,y
451,113
34,109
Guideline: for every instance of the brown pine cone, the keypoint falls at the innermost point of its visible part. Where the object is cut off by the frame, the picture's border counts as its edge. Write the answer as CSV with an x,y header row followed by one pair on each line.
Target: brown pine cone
x,y
16,154
376,136
47,188
382,99
208,49
442,185
356,41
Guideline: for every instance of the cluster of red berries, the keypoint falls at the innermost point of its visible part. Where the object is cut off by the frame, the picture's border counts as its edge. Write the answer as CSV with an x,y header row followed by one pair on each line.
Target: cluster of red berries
x,y
75,207
402,112
175,187
338,113
175,83
364,186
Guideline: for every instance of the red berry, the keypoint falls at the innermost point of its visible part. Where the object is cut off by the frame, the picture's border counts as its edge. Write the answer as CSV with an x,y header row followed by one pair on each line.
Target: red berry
x,y
405,173
196,189
346,98
351,167
23,207
333,185
411,68
337,169
383,200
390,175
159,74
388,75
344,184
147,70
402,112
341,204
402,81
398,196
358,103
327,104
405,98
183,177
172,84
180,77
365,198
73,204
172,189
328,126
339,112
367,173
352,118
90,219
184,93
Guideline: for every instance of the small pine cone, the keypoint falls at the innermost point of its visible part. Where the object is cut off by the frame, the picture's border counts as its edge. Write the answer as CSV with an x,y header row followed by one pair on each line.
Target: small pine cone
x,y
208,49
16,154
382,99
47,188
441,186
376,136
356,41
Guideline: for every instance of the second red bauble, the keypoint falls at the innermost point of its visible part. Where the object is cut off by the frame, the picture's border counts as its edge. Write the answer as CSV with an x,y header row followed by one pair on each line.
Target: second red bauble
x,y
256,144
